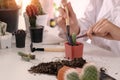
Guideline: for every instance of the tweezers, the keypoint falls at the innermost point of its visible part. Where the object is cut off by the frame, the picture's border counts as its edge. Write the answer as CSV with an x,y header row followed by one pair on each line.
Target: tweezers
x,y
81,36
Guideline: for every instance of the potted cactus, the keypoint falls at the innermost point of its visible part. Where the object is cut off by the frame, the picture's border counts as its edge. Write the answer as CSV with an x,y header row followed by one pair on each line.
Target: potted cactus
x,y
73,49
88,72
5,37
36,19
9,12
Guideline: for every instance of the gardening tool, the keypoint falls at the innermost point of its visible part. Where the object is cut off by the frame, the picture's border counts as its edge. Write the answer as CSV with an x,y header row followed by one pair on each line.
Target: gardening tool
x,y
33,49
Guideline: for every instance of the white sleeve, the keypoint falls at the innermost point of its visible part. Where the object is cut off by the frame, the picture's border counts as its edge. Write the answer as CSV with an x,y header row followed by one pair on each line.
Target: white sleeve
x,y
90,16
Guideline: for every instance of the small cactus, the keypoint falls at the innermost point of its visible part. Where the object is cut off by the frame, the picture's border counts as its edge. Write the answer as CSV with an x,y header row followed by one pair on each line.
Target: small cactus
x,y
89,72
39,6
26,57
74,38
3,27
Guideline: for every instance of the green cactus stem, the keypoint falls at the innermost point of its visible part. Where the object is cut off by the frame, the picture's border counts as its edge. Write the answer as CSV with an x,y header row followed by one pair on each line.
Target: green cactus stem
x,y
89,72
74,38
32,21
26,57
73,76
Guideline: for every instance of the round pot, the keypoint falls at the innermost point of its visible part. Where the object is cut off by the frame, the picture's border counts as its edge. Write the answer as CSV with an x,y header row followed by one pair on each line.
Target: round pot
x,y
10,16
36,34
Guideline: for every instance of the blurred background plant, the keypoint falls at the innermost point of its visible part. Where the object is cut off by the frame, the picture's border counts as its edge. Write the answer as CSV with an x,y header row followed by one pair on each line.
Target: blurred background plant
x,y
8,4
32,10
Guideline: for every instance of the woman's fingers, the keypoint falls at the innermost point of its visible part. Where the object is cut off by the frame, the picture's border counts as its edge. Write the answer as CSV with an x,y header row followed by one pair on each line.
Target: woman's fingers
x,y
98,25
90,32
70,9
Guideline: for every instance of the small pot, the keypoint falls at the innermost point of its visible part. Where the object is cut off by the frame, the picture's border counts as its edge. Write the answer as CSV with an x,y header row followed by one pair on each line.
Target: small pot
x,y
20,37
6,41
10,16
61,72
36,34
72,52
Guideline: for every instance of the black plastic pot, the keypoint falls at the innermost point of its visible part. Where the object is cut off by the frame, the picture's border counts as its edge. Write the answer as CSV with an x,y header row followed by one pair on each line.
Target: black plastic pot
x,y
20,37
10,16
36,34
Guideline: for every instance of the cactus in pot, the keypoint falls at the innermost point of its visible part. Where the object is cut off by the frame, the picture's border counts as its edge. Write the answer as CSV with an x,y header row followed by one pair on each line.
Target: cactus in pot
x,y
9,11
89,72
33,10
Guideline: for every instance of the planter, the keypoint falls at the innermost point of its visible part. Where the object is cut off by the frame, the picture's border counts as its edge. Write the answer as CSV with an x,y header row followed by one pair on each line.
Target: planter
x,y
10,16
6,41
72,52
42,20
36,34
20,37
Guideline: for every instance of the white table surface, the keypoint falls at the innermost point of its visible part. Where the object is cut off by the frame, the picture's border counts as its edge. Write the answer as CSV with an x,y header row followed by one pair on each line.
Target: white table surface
x,y
12,67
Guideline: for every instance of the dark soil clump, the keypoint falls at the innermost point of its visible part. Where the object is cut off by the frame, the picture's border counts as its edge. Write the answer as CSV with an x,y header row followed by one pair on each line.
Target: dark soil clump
x,y
52,68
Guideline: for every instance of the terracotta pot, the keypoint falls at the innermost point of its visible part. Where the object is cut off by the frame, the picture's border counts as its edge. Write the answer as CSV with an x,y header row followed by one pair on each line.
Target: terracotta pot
x,y
61,72
72,52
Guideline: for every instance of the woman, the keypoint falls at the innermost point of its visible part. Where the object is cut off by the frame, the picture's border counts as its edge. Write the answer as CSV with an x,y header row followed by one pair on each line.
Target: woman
x,y
100,13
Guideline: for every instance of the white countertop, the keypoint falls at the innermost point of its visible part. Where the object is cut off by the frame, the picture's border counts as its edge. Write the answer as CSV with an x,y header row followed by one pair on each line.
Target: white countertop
x,y
12,67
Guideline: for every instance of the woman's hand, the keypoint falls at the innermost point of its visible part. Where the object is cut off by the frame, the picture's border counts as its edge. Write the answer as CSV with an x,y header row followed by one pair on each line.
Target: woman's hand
x,y
105,29
74,28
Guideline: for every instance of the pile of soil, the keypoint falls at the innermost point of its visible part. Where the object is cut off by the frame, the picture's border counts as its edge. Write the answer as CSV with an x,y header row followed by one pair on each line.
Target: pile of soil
x,y
52,68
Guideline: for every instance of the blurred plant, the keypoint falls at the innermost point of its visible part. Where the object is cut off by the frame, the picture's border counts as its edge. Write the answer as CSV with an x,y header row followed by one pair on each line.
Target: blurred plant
x,y
8,4
3,26
33,10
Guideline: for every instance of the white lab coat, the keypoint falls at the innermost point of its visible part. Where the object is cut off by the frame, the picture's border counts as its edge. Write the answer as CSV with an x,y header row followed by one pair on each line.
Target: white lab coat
x,y
96,10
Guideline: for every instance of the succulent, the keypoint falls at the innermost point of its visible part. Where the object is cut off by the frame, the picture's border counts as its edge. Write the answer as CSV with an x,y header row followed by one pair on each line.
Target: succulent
x,y
2,28
26,57
8,4
89,72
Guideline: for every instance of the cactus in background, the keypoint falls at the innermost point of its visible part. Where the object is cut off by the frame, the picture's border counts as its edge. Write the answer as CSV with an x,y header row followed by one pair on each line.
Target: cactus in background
x,y
32,10
39,6
89,72
8,4
3,27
